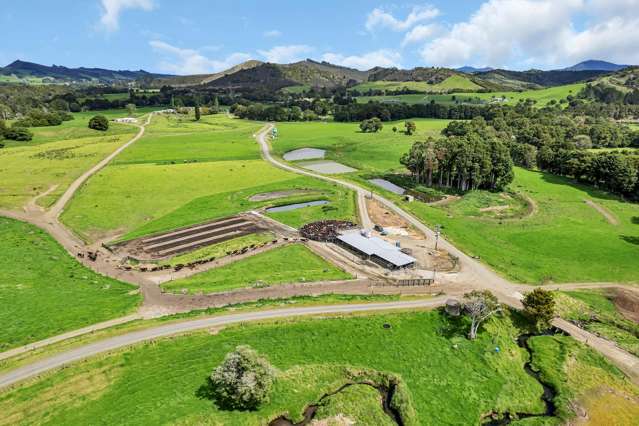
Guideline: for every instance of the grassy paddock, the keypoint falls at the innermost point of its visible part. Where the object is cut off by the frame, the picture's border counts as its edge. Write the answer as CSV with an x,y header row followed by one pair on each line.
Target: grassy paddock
x,y
192,172
345,143
542,96
44,292
564,241
57,155
288,264
455,82
449,379
297,301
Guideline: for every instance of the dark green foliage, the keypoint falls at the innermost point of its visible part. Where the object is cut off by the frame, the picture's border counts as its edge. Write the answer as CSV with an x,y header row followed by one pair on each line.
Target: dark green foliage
x,y
472,157
197,113
539,306
99,122
371,125
410,127
524,155
130,108
38,118
243,381
17,133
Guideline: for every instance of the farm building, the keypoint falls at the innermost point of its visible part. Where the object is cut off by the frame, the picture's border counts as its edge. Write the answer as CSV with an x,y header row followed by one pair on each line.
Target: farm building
x,y
125,120
375,249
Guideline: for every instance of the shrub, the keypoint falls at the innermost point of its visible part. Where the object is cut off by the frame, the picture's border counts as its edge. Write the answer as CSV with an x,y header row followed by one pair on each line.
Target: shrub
x,y
539,306
243,380
99,122
18,133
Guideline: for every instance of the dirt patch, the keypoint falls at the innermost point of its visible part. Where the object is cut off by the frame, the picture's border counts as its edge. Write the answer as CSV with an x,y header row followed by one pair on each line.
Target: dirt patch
x,y
280,194
446,200
494,208
627,302
610,217
385,218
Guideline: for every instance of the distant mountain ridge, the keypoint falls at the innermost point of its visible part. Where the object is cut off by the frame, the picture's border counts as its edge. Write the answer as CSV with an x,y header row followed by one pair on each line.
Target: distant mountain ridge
x,y
596,65
254,74
56,73
466,69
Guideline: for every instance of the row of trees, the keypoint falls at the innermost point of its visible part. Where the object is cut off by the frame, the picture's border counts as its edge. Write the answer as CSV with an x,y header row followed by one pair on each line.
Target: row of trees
x,y
477,159
273,113
402,111
559,142
40,118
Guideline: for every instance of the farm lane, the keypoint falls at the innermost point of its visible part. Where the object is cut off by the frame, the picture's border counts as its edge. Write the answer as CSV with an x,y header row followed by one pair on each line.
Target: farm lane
x,y
59,360
58,207
473,274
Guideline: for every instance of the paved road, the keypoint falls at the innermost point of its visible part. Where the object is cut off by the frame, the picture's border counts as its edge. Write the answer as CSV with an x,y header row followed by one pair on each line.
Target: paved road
x,y
124,340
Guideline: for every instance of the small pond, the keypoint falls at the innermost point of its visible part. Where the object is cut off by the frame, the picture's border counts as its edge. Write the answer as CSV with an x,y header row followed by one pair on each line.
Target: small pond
x,y
296,206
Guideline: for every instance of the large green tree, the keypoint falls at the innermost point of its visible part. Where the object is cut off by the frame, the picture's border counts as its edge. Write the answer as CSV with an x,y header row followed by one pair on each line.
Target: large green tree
x,y
243,380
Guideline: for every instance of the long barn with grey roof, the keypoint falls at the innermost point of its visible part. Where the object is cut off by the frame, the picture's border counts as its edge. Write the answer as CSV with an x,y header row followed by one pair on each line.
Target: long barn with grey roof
x,y
376,249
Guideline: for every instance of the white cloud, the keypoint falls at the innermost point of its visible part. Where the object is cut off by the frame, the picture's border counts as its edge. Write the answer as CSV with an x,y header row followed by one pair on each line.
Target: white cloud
x,y
111,10
614,40
540,33
190,61
272,33
379,18
366,61
286,54
502,30
420,33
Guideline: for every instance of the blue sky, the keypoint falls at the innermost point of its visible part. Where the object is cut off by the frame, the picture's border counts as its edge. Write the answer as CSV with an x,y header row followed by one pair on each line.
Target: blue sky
x,y
198,36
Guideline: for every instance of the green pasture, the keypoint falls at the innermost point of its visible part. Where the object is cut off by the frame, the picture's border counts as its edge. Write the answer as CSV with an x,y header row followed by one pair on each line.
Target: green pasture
x,y
184,172
563,240
300,88
45,292
346,144
57,155
288,264
446,378
455,82
541,96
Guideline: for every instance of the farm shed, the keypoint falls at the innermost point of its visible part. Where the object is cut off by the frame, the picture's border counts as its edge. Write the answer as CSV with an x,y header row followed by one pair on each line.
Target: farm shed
x,y
375,249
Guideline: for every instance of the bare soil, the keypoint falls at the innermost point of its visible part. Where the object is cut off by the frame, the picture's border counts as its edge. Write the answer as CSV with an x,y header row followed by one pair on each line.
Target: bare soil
x,y
607,214
627,302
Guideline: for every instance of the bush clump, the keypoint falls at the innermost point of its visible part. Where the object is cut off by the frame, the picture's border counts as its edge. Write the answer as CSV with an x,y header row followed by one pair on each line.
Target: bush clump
x,y
243,381
99,122
17,133
38,118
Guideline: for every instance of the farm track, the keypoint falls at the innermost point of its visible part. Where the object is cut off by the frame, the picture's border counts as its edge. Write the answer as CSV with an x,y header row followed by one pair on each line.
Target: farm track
x,y
473,275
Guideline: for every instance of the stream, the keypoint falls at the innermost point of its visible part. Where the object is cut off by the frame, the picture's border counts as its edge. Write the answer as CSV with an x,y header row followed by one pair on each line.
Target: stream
x,y
547,397
311,410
